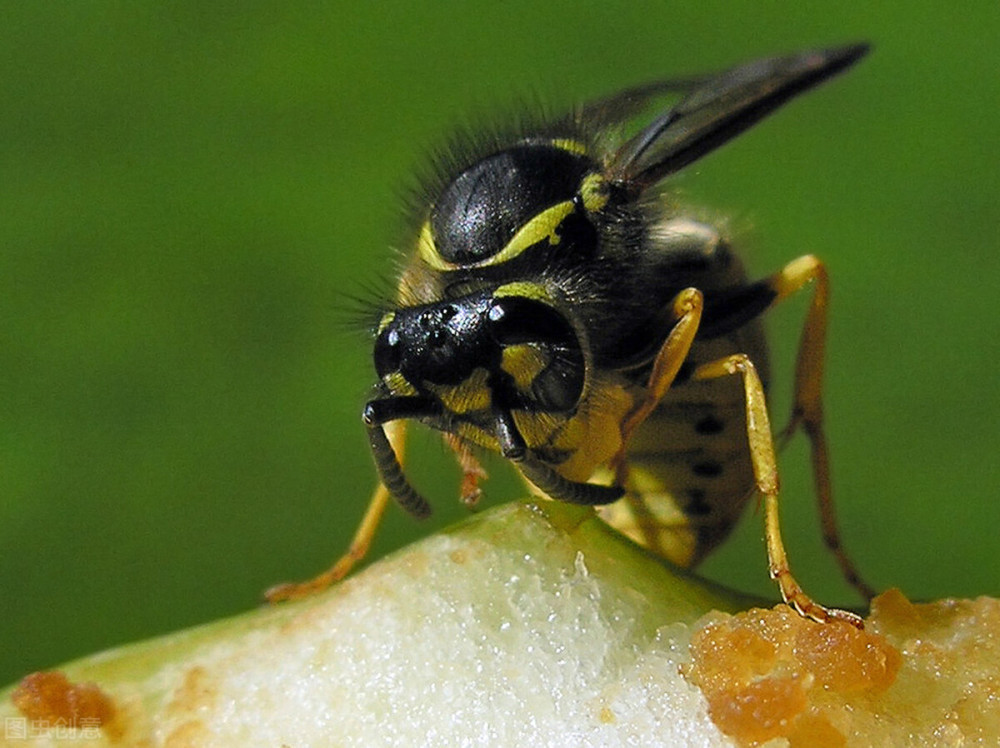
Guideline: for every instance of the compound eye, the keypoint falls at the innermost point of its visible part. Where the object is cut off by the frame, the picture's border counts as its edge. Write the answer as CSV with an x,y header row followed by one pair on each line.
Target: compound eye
x,y
482,209
541,352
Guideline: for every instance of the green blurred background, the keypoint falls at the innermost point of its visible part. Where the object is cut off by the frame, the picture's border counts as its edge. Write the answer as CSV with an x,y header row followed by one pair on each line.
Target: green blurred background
x,y
189,191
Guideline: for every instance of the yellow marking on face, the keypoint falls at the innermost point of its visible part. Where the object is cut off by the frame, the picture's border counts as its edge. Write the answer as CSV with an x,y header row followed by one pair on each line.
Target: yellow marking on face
x,y
571,436
542,226
477,435
594,191
467,396
386,321
537,429
427,249
573,146
398,384
523,289
524,363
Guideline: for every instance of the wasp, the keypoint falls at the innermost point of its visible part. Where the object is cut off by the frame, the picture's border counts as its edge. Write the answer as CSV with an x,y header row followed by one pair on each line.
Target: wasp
x,y
561,309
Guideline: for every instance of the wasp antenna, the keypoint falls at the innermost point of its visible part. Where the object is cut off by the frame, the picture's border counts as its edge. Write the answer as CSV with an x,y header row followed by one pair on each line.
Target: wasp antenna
x,y
557,487
390,472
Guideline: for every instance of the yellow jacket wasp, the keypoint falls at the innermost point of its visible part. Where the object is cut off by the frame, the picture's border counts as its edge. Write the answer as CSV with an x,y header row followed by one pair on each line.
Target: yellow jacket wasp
x,y
559,309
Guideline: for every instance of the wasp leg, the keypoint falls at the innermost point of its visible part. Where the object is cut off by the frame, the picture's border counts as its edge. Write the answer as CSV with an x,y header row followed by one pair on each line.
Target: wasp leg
x,y
765,469
688,307
360,543
472,470
807,409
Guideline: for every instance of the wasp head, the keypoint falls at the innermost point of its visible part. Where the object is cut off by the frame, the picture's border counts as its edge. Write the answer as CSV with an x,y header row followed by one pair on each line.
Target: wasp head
x,y
505,348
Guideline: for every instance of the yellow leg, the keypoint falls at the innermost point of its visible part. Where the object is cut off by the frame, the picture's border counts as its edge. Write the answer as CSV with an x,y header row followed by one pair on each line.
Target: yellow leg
x,y
765,469
807,409
688,306
360,543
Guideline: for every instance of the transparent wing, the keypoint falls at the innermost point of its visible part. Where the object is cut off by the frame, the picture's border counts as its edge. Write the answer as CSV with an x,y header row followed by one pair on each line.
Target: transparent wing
x,y
713,110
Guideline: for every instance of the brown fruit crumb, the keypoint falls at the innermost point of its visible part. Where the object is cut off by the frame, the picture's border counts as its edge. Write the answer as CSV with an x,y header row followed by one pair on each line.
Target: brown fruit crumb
x,y
770,673
50,697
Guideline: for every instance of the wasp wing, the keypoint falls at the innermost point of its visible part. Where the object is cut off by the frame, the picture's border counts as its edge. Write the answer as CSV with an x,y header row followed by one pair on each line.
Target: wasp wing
x,y
714,110
622,106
